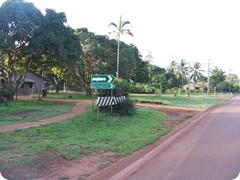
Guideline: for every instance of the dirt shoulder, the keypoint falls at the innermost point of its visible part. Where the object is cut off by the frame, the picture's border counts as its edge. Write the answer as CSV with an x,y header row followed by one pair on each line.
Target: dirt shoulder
x,y
180,114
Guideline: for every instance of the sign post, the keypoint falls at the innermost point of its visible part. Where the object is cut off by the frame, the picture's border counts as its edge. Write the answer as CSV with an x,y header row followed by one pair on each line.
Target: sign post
x,y
104,81
92,102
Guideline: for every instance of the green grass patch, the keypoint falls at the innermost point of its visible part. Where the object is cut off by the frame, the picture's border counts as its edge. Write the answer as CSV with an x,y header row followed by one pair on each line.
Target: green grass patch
x,y
83,135
28,111
198,101
68,95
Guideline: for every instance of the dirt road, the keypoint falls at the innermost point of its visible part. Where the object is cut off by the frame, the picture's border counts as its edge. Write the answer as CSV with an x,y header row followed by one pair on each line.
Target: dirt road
x,y
78,108
210,150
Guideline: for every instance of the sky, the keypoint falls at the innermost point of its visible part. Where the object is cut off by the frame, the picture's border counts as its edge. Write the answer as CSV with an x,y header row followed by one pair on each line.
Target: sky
x,y
194,30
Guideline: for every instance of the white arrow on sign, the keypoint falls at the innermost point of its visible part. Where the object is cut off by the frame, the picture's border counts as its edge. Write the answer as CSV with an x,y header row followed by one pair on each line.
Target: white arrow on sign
x,y
110,78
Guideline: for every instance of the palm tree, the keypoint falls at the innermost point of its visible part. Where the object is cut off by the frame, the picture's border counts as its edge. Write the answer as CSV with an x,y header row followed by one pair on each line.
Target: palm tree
x,y
183,69
173,66
120,30
196,72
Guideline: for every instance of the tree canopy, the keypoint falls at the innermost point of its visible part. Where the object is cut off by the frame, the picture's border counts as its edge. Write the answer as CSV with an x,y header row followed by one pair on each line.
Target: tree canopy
x,y
99,56
32,41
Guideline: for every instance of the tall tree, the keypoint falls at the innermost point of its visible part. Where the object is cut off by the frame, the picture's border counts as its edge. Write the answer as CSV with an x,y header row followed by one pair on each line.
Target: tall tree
x,y
99,56
19,23
96,57
173,67
171,80
196,72
31,41
131,62
233,81
183,70
120,30
143,72
217,76
179,69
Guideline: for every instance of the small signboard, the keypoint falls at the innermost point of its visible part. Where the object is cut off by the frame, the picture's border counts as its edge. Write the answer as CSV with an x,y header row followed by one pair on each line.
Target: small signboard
x,y
102,86
104,81
102,78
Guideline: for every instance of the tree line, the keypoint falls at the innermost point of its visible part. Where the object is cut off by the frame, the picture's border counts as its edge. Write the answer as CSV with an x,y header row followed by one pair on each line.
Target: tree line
x,y
46,45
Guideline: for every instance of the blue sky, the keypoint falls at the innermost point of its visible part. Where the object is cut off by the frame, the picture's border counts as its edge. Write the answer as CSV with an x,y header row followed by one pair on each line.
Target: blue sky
x,y
194,30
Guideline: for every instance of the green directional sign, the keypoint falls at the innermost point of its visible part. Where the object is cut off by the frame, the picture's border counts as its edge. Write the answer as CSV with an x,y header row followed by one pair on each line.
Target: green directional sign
x,y
102,86
105,78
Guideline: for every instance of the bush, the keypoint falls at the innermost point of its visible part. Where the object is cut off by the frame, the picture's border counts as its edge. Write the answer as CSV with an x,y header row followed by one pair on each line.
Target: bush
x,y
6,92
126,108
158,91
142,88
122,88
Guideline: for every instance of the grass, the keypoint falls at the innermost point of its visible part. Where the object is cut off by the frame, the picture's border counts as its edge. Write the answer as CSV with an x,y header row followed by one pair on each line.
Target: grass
x,y
83,135
69,95
28,111
196,100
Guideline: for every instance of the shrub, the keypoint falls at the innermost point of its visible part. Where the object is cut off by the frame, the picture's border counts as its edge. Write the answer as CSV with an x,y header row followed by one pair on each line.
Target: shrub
x,y
158,91
126,108
122,89
6,92
142,88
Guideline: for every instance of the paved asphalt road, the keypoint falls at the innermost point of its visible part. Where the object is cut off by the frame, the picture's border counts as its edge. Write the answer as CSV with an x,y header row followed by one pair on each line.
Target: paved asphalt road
x,y
209,151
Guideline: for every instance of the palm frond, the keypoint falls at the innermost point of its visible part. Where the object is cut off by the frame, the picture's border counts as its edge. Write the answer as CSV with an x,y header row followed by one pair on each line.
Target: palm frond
x,y
113,24
127,31
124,23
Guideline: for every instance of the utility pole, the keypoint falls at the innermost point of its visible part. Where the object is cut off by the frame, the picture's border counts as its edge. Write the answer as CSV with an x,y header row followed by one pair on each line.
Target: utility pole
x,y
208,85
188,92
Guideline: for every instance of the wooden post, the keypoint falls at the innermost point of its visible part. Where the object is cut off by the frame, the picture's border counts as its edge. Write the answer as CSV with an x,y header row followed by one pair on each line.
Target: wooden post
x,y
98,113
111,97
92,102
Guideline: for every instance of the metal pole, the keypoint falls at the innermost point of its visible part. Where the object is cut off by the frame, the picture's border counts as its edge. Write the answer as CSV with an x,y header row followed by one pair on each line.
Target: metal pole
x,y
111,97
188,92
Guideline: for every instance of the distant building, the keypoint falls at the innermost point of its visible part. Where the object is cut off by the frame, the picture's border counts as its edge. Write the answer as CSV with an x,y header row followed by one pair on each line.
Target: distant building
x,y
196,86
33,84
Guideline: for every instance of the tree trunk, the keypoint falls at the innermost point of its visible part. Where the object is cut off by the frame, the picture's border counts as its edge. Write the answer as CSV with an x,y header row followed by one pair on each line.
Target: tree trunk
x,y
118,50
